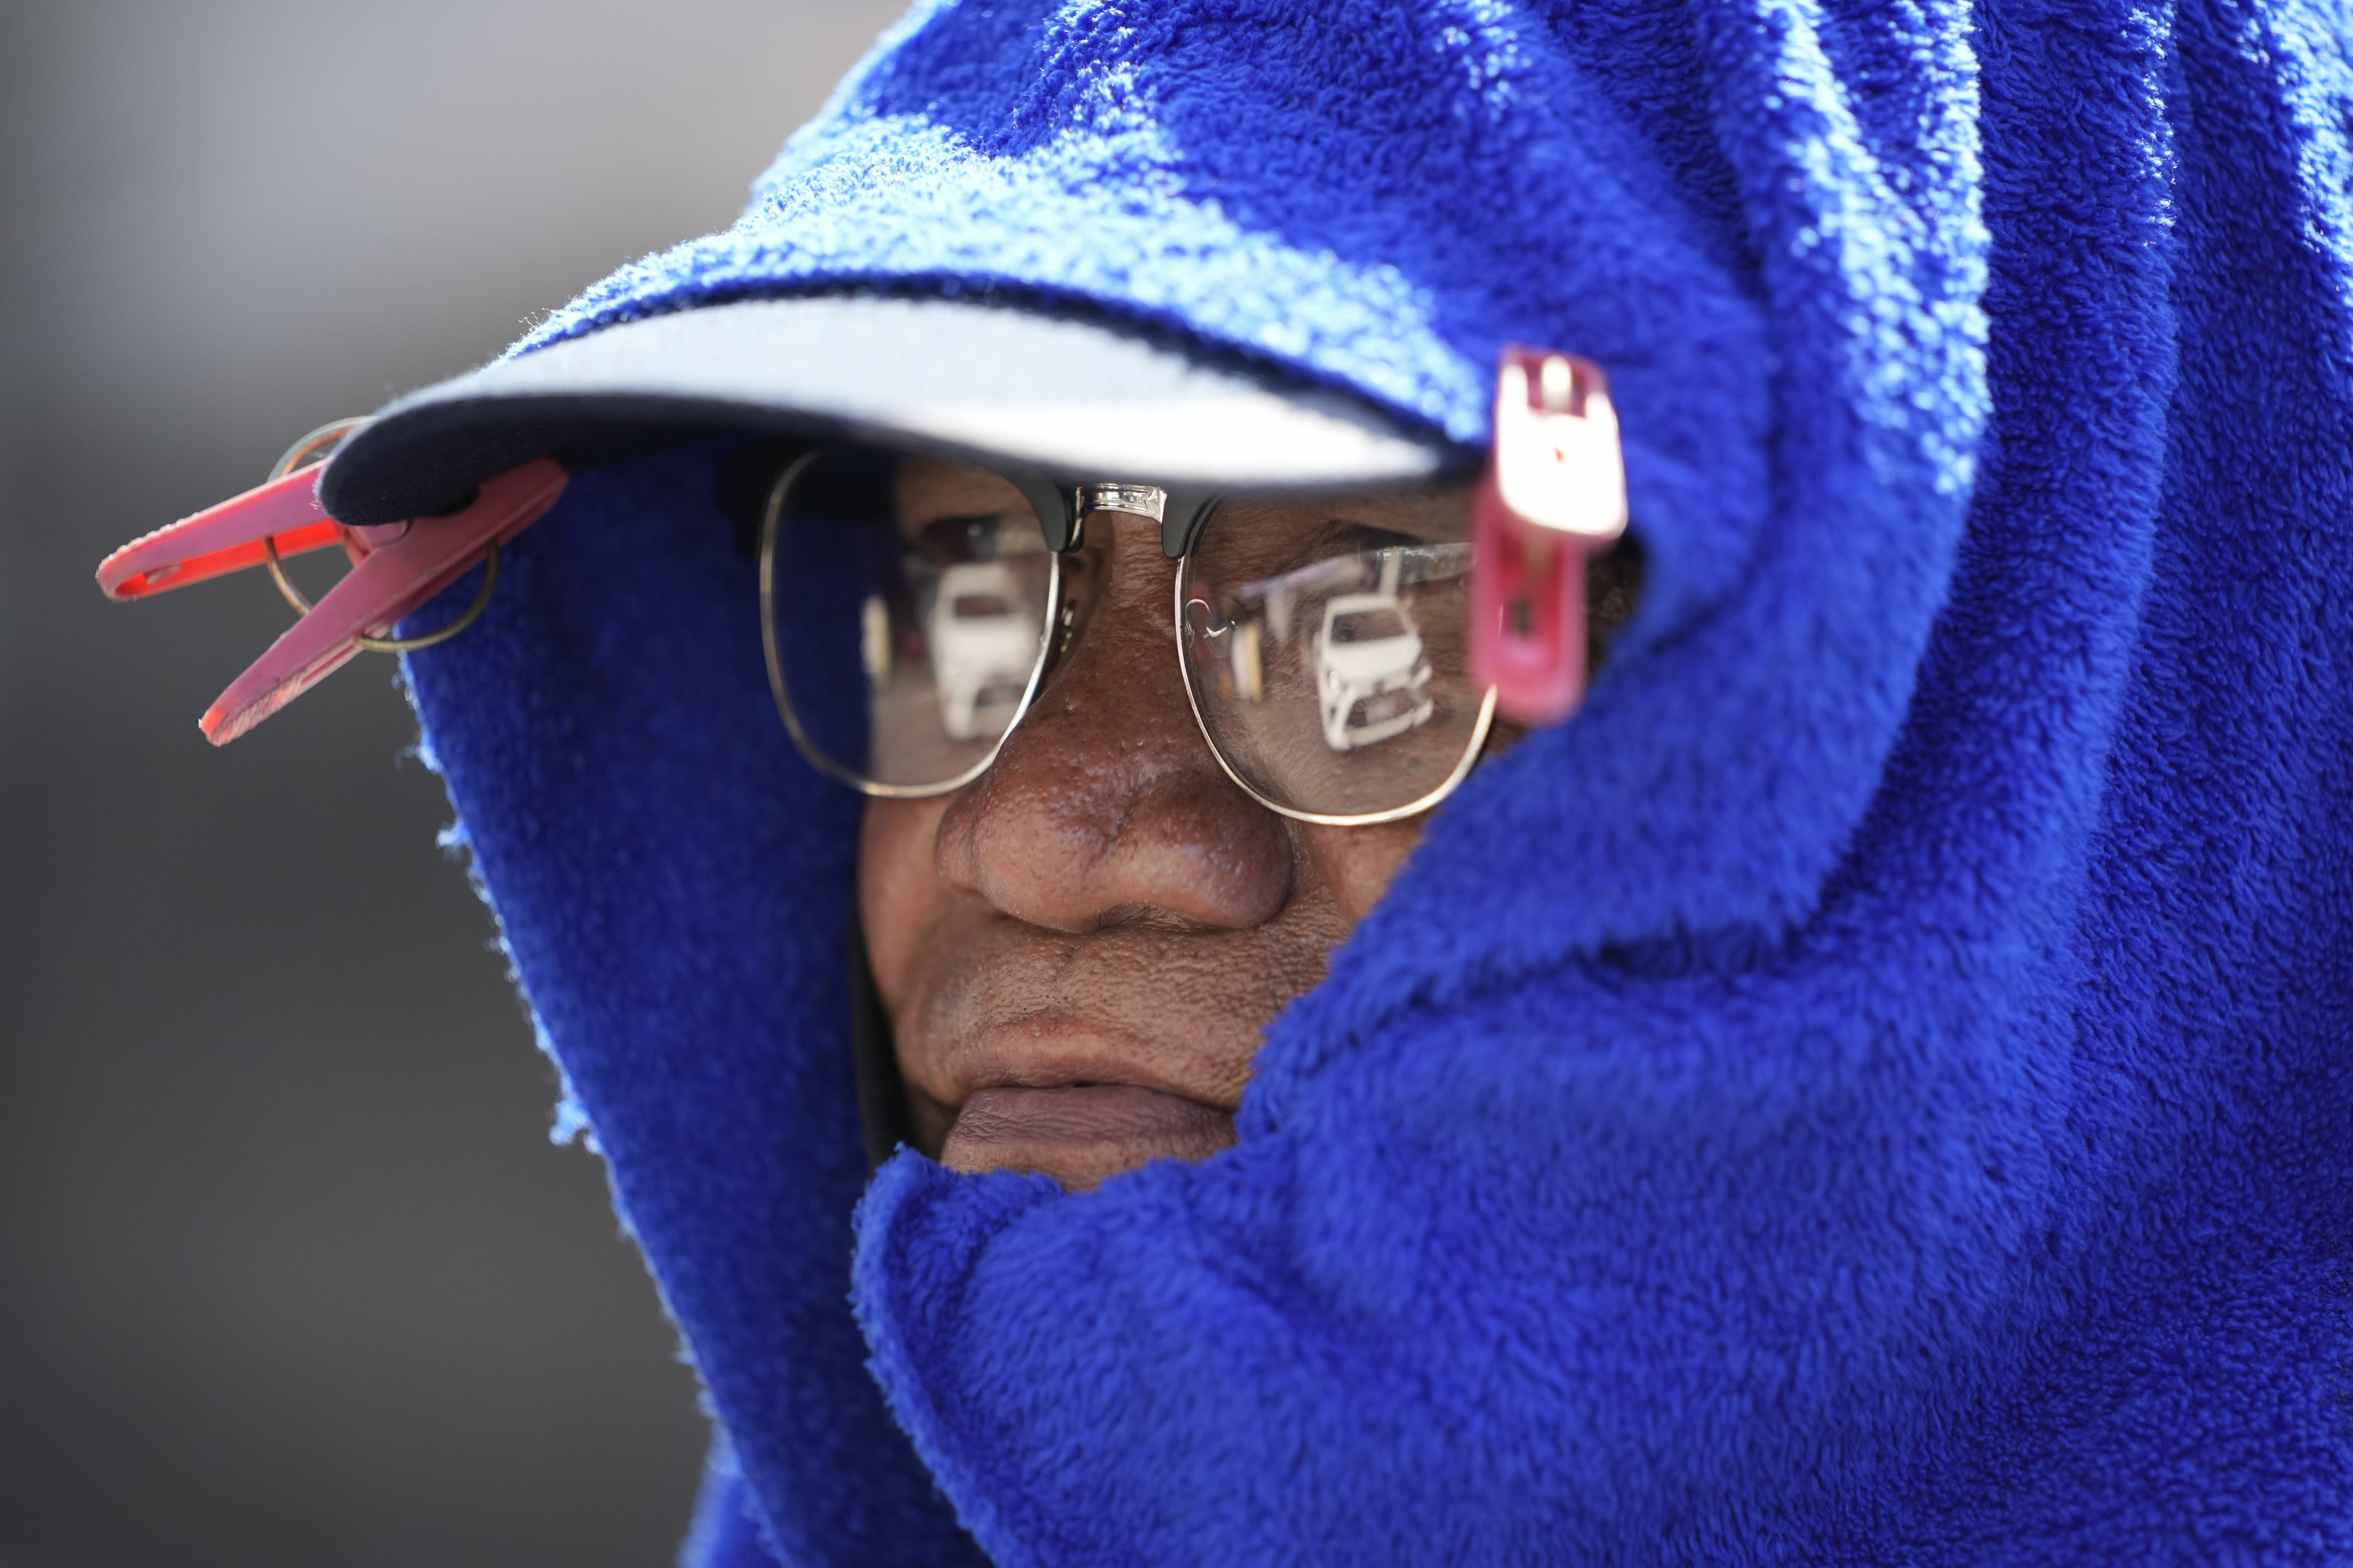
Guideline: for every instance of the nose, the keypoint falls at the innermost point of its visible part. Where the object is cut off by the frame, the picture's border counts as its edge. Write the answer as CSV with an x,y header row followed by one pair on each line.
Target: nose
x,y
1105,805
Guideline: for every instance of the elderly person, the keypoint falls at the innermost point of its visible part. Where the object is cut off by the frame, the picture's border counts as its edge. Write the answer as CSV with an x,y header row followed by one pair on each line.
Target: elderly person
x,y
1008,695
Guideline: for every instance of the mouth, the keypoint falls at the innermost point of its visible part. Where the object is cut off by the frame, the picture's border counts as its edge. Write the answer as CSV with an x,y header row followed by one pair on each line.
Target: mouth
x,y
1080,1133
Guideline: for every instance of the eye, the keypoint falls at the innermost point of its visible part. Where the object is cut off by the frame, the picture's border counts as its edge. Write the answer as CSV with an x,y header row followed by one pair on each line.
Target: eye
x,y
1341,534
980,536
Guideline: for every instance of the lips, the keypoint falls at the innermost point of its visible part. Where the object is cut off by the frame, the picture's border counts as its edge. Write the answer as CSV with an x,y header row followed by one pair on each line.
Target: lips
x,y
1079,1057
1080,1133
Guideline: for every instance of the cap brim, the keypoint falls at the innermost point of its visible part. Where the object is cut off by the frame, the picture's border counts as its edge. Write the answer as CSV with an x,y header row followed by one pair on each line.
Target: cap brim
x,y
1075,396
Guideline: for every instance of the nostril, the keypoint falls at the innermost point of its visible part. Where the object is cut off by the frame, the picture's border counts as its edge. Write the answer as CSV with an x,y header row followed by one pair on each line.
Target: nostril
x,y
1075,829
1106,806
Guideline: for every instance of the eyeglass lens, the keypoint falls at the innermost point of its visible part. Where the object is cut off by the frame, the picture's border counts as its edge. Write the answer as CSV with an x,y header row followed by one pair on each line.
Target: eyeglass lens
x,y
908,609
1327,650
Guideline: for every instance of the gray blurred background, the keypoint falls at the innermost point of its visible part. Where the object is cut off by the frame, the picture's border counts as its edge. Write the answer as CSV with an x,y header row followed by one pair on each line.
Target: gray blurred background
x,y
289,1272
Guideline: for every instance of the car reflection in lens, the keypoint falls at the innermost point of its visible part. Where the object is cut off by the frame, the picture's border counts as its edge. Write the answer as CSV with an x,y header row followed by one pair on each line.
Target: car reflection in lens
x,y
1372,677
982,645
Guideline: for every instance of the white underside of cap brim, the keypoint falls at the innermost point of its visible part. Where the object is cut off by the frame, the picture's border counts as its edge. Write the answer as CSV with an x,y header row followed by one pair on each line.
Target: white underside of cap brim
x,y
1074,396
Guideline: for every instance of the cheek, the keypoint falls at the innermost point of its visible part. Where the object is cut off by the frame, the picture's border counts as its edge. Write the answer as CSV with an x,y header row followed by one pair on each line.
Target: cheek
x,y
1357,864
899,894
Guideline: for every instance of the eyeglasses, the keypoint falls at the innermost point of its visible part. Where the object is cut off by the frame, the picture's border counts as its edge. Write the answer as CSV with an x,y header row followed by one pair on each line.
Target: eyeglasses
x,y
1345,665
910,609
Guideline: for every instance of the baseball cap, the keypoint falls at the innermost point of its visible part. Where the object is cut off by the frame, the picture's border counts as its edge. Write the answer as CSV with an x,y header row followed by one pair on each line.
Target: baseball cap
x,y
975,380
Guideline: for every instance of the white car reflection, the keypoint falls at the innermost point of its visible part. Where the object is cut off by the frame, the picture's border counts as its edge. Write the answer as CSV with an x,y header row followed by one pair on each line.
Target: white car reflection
x,y
1372,679
983,642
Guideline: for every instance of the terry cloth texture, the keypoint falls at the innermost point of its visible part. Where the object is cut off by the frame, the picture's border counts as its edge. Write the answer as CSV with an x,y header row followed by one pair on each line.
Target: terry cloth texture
x,y
1871,1089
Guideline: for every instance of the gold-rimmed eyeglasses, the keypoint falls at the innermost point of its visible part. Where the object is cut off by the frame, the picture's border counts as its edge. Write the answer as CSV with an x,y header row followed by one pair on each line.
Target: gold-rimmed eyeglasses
x,y
912,607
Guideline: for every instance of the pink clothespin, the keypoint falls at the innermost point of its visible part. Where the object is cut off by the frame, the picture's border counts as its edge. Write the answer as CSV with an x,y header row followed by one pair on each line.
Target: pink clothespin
x,y
1554,493
397,567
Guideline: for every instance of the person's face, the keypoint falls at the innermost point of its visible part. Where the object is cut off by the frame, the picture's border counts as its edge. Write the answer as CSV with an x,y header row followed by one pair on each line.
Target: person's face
x,y
1080,952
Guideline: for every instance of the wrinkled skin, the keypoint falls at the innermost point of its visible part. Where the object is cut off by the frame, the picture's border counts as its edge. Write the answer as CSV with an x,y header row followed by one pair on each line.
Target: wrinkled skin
x,y
1080,952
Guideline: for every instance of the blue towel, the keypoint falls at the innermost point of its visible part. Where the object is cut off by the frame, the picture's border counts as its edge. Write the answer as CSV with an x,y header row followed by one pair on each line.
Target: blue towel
x,y
1871,1089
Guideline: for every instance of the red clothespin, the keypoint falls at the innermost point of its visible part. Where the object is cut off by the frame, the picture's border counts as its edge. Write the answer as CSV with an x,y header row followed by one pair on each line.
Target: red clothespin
x,y
1554,493
395,568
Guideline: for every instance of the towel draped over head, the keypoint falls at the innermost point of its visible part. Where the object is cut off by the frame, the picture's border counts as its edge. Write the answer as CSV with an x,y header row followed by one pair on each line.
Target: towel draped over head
x,y
1872,1087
